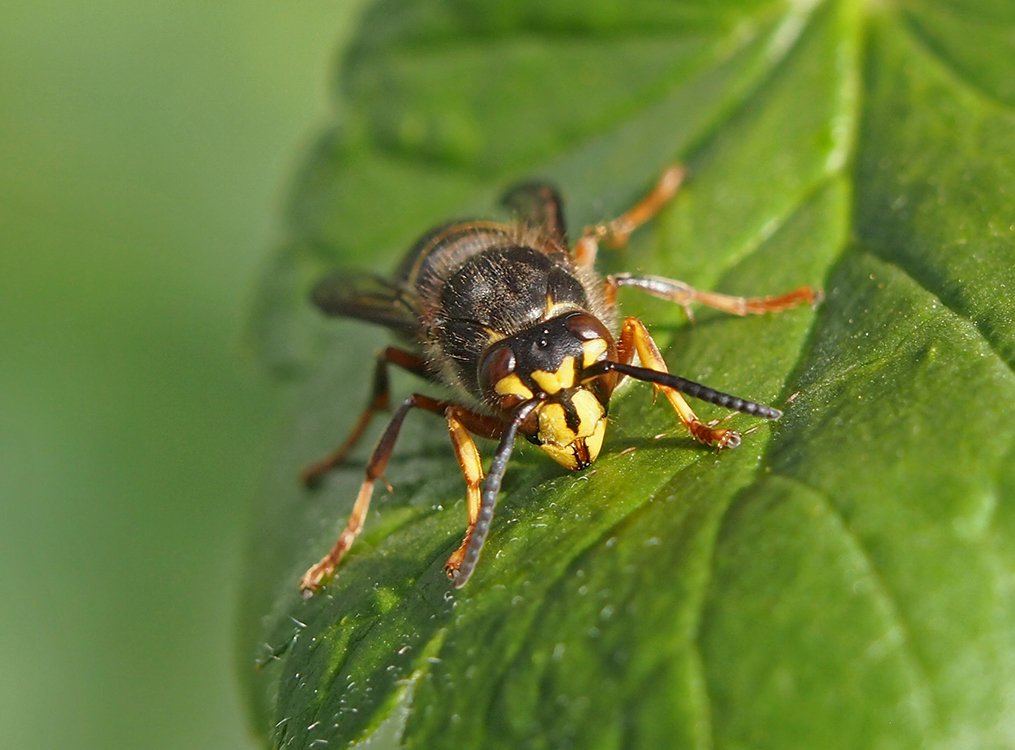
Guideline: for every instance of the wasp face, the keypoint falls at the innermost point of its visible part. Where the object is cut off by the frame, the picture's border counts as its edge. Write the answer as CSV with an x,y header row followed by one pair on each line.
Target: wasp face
x,y
571,427
545,362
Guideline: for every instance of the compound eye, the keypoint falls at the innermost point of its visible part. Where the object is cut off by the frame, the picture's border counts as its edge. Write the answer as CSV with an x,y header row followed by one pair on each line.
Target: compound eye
x,y
499,380
596,340
586,327
497,364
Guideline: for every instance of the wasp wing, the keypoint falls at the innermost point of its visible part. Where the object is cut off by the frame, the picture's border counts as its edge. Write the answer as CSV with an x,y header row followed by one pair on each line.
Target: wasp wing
x,y
367,297
539,205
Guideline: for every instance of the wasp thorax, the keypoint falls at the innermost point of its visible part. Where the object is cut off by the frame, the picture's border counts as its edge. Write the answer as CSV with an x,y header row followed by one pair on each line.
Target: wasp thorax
x,y
545,362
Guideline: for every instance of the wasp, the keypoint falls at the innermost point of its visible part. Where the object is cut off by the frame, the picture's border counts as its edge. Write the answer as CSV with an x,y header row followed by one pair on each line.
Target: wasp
x,y
514,320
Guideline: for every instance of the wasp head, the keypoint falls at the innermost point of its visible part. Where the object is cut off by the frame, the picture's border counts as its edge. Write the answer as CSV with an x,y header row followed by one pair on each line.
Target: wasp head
x,y
545,362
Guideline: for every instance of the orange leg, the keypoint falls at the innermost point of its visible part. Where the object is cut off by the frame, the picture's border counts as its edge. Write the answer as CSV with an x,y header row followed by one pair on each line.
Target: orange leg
x,y
684,294
459,419
472,469
617,232
634,337
380,399
480,527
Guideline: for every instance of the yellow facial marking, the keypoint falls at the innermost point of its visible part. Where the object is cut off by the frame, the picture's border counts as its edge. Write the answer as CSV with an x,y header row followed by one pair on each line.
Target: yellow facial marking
x,y
553,426
571,449
594,442
590,411
556,437
552,382
592,350
512,385
562,455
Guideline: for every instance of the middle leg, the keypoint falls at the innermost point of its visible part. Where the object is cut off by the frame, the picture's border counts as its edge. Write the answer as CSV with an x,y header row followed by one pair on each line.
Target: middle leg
x,y
684,294
324,568
461,421
380,398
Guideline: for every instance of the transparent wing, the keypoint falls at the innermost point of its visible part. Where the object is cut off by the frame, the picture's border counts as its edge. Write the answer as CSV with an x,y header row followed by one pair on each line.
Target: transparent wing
x,y
367,297
538,204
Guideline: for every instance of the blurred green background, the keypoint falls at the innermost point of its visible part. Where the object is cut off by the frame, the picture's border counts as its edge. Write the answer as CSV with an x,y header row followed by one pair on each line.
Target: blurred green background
x,y
145,152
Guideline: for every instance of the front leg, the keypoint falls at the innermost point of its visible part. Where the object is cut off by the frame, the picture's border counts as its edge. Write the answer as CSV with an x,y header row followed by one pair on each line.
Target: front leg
x,y
480,527
634,337
460,422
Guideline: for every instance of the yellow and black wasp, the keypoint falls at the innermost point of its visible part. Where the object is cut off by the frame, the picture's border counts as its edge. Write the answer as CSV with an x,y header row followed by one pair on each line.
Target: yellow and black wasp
x,y
516,322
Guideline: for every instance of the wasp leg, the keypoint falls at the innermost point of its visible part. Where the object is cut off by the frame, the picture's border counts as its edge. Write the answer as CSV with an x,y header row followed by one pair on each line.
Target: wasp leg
x,y
460,422
684,294
479,529
616,233
634,337
325,567
459,419
380,400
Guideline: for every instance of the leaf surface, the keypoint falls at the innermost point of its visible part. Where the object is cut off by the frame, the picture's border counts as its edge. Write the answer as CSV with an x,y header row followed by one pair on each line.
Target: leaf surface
x,y
844,578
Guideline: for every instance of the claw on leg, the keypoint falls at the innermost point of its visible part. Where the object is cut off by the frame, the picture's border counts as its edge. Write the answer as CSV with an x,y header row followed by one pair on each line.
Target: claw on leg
x,y
635,338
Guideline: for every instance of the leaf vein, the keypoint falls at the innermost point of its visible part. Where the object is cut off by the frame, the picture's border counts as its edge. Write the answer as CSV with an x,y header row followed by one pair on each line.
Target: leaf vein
x,y
925,700
974,324
949,67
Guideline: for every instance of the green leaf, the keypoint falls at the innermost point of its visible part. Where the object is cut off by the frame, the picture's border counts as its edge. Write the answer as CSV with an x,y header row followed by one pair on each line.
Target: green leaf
x,y
842,580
